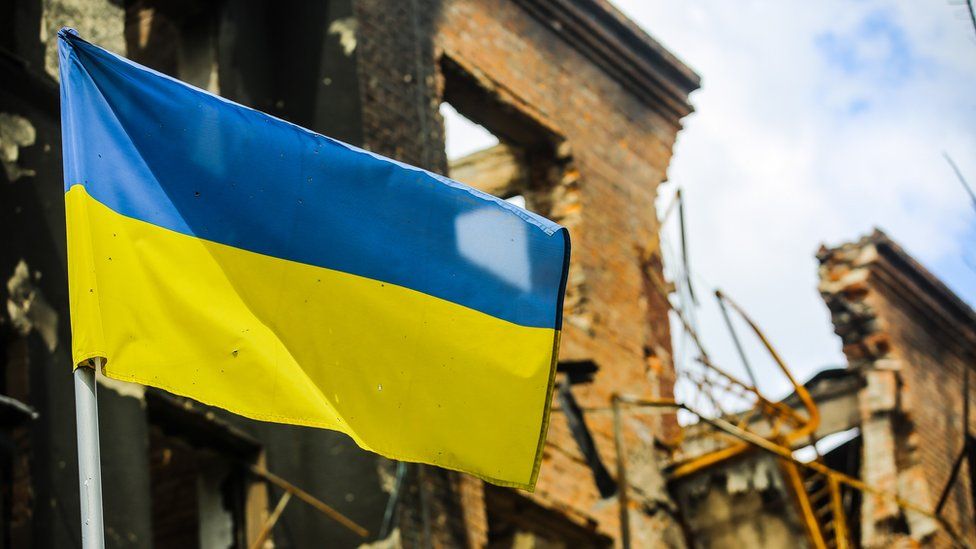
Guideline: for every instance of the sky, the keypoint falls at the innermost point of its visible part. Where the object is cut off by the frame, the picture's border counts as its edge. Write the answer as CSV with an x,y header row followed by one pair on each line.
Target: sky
x,y
815,123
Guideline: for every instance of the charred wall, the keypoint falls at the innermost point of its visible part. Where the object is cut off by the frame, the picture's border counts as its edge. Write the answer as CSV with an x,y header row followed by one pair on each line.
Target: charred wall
x,y
291,59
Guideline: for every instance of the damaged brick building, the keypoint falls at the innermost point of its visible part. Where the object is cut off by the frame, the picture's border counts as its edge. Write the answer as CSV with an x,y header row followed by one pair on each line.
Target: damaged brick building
x,y
910,341
586,108
902,454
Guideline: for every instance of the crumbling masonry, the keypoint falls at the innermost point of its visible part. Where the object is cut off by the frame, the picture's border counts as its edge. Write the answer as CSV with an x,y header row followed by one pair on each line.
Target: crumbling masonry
x,y
586,107
910,340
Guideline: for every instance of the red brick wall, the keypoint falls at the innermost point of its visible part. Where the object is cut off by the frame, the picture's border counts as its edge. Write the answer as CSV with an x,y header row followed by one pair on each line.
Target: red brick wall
x,y
912,340
932,381
621,149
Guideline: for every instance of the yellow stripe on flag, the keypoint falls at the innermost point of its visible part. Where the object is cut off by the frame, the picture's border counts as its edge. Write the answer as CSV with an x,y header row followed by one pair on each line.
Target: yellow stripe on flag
x,y
406,375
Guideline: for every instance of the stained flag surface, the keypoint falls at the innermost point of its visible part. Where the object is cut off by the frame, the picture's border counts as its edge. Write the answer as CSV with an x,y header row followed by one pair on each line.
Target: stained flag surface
x,y
228,256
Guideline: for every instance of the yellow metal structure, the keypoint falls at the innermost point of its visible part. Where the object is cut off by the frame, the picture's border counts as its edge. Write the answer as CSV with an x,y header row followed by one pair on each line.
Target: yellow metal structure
x,y
838,531
803,427
816,488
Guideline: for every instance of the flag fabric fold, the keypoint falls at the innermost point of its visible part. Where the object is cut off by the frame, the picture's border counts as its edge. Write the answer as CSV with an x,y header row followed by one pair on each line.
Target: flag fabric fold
x,y
228,256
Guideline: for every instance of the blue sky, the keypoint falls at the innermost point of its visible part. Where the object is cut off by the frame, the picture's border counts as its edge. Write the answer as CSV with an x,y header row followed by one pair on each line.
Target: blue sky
x,y
876,47
816,122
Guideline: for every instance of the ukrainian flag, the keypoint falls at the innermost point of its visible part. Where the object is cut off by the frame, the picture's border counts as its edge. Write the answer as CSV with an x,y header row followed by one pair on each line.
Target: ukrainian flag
x,y
225,255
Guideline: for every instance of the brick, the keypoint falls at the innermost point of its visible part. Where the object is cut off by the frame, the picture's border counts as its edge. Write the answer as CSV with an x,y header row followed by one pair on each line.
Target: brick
x,y
615,150
912,339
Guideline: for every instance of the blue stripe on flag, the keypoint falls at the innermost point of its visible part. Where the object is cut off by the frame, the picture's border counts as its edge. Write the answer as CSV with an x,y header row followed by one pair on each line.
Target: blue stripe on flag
x,y
255,182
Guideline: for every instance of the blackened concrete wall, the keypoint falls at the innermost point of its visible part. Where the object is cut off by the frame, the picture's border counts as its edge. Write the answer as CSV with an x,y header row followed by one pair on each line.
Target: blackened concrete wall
x,y
288,59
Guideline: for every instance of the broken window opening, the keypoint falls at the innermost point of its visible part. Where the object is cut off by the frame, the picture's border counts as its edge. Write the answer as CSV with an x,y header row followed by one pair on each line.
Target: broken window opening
x,y
496,146
846,458
462,136
16,494
202,494
481,159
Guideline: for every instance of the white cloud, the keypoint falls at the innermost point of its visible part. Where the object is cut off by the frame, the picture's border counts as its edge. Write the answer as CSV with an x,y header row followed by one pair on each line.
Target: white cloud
x,y
815,123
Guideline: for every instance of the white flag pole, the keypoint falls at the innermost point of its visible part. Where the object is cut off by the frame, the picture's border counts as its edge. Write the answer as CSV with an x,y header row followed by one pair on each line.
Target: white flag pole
x,y
89,459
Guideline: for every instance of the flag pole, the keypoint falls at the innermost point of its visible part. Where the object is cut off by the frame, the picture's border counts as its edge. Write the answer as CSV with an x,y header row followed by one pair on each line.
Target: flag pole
x,y
89,459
